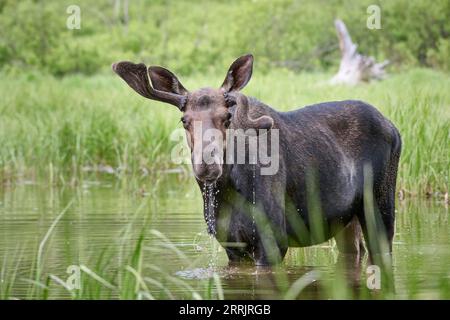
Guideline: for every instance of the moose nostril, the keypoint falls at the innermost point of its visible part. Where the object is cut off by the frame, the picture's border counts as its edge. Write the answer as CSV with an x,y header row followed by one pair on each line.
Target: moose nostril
x,y
207,172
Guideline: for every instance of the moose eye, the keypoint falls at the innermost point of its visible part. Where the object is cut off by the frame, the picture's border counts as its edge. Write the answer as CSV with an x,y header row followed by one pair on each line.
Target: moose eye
x,y
230,100
227,121
184,122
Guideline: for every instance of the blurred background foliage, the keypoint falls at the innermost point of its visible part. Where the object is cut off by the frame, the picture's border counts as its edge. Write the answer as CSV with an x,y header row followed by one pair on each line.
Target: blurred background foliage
x,y
202,36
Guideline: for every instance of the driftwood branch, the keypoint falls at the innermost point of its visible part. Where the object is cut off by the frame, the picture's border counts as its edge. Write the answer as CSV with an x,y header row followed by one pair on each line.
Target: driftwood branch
x,y
355,67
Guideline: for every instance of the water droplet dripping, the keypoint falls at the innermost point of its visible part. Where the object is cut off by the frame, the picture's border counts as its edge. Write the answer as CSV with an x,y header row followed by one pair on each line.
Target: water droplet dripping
x,y
209,192
210,206
253,221
253,208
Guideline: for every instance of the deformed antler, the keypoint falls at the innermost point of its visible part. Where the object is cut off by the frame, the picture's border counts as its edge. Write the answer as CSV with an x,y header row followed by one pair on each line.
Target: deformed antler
x,y
136,76
242,117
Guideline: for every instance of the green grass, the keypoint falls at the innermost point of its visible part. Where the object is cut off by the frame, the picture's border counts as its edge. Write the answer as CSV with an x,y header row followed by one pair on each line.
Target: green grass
x,y
57,129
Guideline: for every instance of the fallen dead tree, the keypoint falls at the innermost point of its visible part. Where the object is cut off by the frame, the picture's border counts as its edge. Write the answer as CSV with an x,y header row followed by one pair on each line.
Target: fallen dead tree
x,y
355,67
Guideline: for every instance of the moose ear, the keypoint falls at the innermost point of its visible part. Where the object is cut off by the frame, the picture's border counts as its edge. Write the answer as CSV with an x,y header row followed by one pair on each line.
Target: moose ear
x,y
136,76
164,80
239,74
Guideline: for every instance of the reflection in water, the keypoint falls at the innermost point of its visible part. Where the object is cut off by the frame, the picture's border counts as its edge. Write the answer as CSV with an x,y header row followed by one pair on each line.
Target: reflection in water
x,y
105,225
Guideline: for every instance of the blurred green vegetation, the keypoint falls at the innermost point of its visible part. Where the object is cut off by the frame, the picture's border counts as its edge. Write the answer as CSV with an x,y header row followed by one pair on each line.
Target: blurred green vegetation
x,y
63,111
203,35
66,127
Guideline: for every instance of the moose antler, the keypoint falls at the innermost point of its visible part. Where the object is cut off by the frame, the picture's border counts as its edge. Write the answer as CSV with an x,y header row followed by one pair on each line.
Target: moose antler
x,y
242,118
136,76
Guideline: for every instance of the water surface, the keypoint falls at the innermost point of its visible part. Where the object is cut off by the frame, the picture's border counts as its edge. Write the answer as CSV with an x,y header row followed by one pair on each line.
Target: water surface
x,y
159,231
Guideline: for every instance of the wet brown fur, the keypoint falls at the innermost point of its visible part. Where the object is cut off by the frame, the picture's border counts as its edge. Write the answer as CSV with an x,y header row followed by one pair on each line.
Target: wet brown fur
x,y
323,149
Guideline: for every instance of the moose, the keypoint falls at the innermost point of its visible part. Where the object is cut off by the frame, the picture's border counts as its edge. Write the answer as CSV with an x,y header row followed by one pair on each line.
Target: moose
x,y
330,154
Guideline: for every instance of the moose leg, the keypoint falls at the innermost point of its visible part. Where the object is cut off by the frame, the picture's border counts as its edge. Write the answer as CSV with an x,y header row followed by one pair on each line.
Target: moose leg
x,y
378,231
259,244
269,245
378,217
379,222
350,239
379,238
385,194
262,222
270,222
385,202
269,252
238,257
351,249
